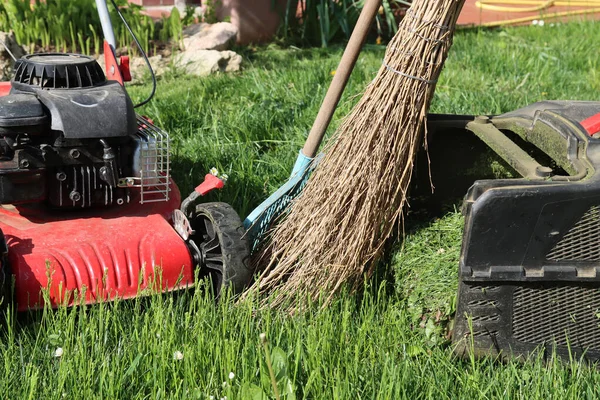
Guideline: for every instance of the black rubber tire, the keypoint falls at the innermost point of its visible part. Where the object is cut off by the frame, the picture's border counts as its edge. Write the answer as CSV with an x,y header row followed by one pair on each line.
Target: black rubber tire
x,y
225,252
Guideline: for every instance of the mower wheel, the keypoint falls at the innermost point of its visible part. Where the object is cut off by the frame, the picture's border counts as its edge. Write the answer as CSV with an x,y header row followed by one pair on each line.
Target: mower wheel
x,y
222,250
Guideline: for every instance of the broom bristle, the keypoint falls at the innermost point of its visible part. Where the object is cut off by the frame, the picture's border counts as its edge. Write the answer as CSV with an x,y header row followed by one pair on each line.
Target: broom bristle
x,y
335,230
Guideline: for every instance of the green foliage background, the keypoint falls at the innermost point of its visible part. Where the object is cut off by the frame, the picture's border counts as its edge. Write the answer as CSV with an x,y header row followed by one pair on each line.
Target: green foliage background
x,y
74,25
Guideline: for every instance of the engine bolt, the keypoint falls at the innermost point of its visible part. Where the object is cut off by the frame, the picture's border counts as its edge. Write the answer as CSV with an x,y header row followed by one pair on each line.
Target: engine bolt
x,y
61,176
24,163
75,196
74,153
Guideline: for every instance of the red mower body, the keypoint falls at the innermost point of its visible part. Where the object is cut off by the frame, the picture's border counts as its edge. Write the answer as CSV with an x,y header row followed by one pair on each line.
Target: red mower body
x,y
88,210
99,255
4,88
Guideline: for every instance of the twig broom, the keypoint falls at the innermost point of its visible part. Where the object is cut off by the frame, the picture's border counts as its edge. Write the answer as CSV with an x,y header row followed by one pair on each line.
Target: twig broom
x,y
336,229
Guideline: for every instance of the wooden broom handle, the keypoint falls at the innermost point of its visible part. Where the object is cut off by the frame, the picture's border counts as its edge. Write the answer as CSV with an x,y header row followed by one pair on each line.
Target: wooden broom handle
x,y
334,93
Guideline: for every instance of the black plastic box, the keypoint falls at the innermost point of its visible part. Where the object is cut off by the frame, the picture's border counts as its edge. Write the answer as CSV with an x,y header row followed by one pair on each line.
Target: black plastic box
x,y
529,273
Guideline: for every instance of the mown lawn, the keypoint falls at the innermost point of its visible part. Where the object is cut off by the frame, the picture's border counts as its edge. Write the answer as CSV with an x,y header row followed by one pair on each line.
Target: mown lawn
x,y
388,342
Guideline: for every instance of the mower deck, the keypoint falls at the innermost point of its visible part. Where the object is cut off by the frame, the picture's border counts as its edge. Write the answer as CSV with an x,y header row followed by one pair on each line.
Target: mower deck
x,y
99,254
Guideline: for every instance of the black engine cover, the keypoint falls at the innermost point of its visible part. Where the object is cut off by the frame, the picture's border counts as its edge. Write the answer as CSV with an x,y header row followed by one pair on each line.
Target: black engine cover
x,y
100,112
66,134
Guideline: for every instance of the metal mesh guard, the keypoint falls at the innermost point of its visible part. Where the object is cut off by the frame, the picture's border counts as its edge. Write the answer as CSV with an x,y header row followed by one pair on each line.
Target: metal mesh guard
x,y
561,315
154,176
576,244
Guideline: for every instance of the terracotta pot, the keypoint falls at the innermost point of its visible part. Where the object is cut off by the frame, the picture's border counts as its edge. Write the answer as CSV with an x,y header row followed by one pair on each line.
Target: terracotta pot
x,y
256,20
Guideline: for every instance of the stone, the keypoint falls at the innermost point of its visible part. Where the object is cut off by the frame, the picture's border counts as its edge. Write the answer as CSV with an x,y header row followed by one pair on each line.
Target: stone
x,y
138,67
195,29
6,61
232,61
206,62
220,36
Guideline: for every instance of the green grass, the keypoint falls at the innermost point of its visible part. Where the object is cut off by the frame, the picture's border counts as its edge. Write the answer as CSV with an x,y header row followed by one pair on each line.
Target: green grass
x,y
387,342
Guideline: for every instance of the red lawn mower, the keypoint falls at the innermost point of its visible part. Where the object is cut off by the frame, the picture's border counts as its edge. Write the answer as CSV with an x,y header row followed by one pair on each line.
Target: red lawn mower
x,y
88,204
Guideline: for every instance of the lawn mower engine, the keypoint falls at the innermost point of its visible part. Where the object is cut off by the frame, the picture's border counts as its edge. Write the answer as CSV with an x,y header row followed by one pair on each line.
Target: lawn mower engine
x,y
88,205
529,277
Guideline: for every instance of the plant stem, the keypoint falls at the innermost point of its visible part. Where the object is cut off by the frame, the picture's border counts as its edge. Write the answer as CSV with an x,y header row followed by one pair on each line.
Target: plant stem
x,y
264,343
